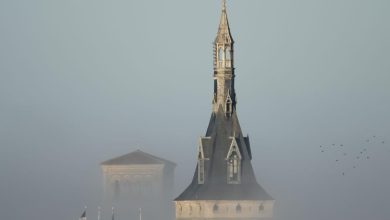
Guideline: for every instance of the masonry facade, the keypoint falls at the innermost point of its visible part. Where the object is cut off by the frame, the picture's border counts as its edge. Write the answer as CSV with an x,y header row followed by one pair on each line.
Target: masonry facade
x,y
224,185
139,180
137,175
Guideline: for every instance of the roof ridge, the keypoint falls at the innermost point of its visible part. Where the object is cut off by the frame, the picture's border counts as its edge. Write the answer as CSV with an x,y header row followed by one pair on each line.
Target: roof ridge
x,y
155,157
131,158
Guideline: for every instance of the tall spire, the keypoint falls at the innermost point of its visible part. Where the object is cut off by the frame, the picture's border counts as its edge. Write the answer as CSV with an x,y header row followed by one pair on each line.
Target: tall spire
x,y
224,34
224,94
224,176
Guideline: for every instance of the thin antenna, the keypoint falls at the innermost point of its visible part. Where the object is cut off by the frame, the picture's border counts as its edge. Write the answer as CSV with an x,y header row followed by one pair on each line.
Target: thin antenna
x,y
113,215
98,213
140,213
224,5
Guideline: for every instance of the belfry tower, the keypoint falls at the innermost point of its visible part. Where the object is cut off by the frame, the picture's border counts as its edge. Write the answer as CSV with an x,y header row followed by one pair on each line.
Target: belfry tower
x,y
224,185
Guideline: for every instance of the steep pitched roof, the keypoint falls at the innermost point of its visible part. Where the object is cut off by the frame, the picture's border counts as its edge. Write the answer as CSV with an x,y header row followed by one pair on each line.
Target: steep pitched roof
x,y
137,157
215,187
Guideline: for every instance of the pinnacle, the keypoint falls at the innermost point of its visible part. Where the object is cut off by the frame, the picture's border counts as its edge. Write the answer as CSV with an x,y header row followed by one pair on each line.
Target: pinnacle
x,y
224,35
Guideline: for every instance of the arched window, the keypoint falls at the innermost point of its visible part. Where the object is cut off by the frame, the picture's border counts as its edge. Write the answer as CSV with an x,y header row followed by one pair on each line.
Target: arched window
x,y
238,208
220,54
180,209
201,159
229,105
261,208
233,163
228,53
215,208
200,171
233,160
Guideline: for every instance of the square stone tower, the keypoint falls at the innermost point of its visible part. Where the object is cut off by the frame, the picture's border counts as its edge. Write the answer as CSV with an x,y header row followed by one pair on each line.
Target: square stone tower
x,y
139,180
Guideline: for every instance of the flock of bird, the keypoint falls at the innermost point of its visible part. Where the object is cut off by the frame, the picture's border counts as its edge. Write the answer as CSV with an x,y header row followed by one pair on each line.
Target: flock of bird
x,y
363,153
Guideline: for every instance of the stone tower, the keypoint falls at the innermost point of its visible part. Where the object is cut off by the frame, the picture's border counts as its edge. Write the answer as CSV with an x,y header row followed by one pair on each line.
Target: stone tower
x,y
139,180
224,185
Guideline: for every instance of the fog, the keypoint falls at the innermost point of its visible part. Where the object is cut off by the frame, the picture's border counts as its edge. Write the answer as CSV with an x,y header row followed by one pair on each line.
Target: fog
x,y
85,81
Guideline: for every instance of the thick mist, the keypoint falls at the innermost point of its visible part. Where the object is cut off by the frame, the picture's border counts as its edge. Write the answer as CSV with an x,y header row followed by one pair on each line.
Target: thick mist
x,y
85,81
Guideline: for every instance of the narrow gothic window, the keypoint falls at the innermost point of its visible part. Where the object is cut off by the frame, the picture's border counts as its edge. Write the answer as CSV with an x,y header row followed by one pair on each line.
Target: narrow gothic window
x,y
229,103
228,107
200,171
228,53
201,159
233,168
228,56
220,54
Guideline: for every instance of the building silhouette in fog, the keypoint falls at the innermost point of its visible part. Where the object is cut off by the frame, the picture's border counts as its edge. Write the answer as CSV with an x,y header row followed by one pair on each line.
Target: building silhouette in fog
x,y
139,180
224,185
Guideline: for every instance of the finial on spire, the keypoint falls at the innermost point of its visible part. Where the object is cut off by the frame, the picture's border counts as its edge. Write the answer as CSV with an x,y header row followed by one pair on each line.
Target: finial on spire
x,y
224,5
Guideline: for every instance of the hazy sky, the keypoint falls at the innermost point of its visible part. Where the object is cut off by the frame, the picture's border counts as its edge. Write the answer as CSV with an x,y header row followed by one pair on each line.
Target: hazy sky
x,y
83,81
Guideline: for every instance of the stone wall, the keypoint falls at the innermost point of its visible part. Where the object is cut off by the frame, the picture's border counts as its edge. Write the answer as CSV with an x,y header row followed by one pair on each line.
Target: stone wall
x,y
218,209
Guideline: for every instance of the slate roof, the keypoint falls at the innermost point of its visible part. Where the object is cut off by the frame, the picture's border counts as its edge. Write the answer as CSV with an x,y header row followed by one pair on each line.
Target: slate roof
x,y
137,157
219,134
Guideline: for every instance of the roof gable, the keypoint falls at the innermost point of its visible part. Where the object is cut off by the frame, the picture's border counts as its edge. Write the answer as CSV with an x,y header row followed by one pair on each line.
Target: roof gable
x,y
234,148
137,157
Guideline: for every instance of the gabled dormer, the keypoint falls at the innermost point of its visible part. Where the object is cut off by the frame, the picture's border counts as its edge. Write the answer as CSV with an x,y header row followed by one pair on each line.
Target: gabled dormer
x,y
233,163
228,105
201,161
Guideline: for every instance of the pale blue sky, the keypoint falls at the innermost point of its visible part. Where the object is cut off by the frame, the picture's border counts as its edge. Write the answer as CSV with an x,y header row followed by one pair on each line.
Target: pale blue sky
x,y
84,81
